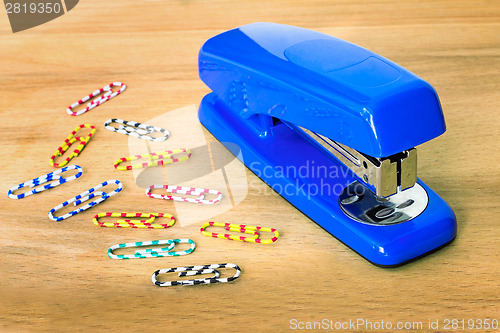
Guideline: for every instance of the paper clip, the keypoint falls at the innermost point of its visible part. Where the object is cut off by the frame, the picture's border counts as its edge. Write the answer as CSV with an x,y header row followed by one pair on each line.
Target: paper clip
x,y
69,141
143,224
195,270
136,129
159,158
200,192
57,180
87,195
240,228
152,253
108,94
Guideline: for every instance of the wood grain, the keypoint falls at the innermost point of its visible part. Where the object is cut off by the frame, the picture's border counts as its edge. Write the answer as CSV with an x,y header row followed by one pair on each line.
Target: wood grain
x,y
57,277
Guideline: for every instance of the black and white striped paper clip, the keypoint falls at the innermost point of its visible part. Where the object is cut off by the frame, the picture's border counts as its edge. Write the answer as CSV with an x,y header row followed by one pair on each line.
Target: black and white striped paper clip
x,y
196,270
136,129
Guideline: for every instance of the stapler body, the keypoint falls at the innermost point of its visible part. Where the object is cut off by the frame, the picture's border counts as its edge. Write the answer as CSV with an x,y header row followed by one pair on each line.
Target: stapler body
x,y
332,127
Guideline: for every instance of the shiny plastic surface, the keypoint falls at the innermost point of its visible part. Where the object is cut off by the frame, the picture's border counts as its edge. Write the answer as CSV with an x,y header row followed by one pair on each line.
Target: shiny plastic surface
x,y
322,83
266,75
295,169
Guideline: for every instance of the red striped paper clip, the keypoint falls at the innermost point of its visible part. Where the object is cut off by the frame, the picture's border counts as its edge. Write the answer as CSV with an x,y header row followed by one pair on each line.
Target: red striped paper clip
x,y
248,229
199,192
108,94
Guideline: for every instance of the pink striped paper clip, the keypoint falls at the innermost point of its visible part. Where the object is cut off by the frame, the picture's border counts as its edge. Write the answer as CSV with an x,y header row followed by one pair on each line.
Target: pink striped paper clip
x,y
200,192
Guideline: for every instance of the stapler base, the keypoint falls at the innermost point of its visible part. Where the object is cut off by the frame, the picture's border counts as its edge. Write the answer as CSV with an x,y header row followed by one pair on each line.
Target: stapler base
x,y
296,170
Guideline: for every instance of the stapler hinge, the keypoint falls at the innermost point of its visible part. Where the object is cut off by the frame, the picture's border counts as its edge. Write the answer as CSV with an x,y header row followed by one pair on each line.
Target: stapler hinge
x,y
387,175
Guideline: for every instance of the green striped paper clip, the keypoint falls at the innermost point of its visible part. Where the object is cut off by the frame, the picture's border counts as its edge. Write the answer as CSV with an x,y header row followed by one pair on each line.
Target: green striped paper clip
x,y
152,252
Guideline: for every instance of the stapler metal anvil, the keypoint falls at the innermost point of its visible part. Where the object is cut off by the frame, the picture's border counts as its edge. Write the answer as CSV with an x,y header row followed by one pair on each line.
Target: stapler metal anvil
x,y
332,127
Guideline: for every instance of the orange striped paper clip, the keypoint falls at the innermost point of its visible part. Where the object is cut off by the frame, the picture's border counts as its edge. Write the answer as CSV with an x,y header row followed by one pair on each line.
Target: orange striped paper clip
x,y
141,224
69,141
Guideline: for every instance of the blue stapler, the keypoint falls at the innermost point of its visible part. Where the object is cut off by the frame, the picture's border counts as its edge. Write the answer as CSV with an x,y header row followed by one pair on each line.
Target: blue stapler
x,y
332,127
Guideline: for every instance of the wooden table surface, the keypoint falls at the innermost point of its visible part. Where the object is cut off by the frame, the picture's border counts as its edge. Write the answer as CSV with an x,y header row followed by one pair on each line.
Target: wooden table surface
x,y
57,276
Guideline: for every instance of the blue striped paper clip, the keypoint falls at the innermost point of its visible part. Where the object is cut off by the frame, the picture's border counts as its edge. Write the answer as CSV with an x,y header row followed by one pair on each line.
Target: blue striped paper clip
x,y
52,176
87,195
155,252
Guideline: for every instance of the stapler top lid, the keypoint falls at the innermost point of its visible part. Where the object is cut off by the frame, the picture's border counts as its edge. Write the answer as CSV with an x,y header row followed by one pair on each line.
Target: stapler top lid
x,y
324,84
